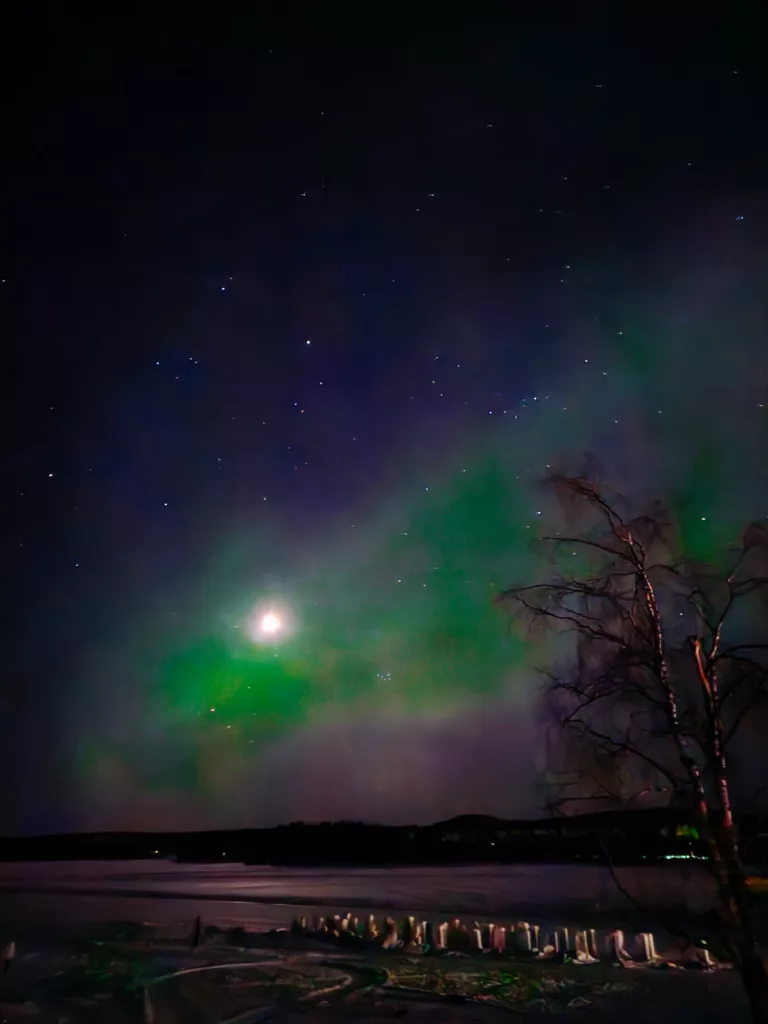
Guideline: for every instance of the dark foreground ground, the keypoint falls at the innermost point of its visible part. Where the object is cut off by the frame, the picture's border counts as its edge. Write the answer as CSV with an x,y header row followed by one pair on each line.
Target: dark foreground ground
x,y
74,965
127,974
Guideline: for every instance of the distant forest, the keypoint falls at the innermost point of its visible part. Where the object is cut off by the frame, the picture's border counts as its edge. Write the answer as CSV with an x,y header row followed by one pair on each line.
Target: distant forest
x,y
621,836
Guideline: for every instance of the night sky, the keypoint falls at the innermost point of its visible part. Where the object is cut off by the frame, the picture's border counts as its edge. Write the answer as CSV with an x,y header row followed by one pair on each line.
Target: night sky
x,y
300,308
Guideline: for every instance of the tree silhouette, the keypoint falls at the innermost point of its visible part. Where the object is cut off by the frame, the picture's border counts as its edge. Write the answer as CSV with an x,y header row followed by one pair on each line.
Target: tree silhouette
x,y
664,664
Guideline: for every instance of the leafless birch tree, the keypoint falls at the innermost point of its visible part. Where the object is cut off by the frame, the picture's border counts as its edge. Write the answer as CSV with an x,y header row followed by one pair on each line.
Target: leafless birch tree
x,y
668,663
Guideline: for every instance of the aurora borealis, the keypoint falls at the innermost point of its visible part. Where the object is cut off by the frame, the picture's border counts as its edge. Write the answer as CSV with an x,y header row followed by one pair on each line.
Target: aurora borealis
x,y
318,367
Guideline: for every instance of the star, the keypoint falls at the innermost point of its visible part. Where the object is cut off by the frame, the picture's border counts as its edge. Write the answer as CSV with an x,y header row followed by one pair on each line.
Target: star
x,y
198,198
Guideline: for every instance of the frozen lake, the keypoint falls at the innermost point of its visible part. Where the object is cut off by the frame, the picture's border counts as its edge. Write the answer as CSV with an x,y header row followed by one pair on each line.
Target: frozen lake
x,y
267,896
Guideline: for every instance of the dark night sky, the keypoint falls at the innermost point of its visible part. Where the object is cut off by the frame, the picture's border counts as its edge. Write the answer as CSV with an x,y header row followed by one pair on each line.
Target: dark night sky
x,y
298,306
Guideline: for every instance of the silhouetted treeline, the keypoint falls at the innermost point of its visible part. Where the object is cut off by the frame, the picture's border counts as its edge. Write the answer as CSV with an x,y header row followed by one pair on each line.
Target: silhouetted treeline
x,y
622,837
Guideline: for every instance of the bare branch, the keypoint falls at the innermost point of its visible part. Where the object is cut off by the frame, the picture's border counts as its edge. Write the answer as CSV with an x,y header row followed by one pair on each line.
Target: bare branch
x,y
645,702
617,745
758,699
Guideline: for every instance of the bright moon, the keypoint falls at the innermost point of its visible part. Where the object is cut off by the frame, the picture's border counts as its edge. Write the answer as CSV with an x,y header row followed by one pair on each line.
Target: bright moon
x,y
269,623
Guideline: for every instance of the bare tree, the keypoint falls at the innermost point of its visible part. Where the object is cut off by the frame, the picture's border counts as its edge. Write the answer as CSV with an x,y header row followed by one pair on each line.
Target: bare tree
x,y
662,672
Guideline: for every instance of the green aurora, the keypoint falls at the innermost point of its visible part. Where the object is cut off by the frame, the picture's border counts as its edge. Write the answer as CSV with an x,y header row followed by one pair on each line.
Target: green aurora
x,y
395,617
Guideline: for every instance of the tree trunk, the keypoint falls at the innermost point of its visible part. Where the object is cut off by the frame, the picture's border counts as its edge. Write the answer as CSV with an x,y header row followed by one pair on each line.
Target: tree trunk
x,y
755,980
737,919
750,962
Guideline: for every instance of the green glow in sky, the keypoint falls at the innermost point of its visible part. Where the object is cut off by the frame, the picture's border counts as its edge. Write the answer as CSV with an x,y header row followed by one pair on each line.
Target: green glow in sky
x,y
394,615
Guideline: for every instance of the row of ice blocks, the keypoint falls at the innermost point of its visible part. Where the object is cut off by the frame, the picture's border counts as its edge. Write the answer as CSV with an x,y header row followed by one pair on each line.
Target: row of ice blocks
x,y
523,938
